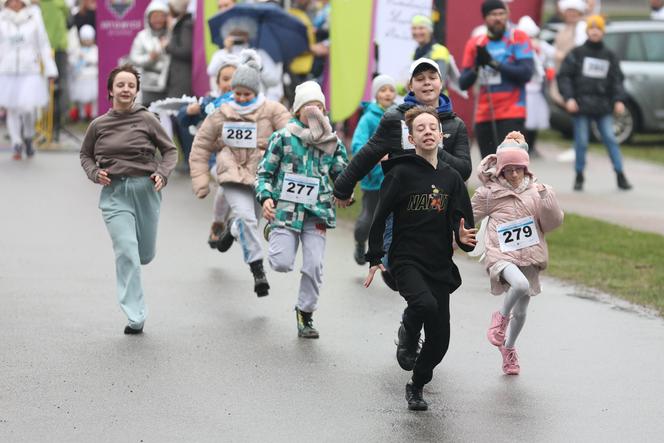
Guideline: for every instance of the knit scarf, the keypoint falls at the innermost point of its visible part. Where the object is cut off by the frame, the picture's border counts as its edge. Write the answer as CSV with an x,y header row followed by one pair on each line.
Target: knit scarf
x,y
247,108
525,183
319,133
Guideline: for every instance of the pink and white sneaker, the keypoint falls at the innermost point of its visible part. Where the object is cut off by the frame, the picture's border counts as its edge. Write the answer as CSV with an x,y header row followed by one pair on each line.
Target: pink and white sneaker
x,y
496,332
510,361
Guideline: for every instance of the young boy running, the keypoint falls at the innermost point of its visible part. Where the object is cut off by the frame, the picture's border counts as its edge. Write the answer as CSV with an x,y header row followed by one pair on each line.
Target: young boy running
x,y
430,202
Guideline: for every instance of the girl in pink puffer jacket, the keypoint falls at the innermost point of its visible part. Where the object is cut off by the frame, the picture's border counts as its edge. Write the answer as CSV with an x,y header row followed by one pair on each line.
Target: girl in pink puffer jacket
x,y
519,211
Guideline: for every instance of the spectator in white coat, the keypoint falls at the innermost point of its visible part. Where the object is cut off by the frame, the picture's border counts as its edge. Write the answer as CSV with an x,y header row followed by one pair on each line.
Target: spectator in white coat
x,y
26,65
148,55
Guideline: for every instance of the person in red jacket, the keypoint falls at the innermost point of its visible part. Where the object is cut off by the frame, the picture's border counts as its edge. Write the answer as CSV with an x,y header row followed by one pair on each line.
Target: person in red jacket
x,y
502,62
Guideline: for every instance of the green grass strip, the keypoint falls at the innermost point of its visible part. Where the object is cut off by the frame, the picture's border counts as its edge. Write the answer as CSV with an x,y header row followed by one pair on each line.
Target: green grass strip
x,y
617,260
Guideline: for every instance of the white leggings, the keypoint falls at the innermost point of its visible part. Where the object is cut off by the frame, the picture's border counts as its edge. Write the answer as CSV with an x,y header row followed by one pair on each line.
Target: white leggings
x,y
516,302
20,124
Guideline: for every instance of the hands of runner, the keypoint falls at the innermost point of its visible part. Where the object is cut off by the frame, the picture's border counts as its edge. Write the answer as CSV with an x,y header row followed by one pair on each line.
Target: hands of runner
x,y
158,181
467,236
344,203
103,178
541,189
268,210
372,271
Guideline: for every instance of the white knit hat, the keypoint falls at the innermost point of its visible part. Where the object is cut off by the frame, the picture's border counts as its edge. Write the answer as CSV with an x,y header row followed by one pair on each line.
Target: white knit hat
x,y
579,5
248,73
380,81
86,32
307,92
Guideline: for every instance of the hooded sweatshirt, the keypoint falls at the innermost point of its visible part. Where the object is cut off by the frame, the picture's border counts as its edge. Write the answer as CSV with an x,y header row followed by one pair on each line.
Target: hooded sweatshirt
x,y
428,204
126,143
365,128
389,140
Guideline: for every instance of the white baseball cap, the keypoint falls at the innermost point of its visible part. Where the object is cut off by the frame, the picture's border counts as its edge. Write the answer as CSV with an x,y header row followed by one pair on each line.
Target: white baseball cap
x,y
419,63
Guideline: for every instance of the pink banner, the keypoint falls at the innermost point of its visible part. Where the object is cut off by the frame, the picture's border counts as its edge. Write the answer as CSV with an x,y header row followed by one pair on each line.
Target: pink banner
x,y
118,21
200,80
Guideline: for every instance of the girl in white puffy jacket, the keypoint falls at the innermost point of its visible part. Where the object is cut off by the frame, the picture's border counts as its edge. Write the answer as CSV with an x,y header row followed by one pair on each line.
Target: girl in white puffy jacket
x,y
26,64
148,54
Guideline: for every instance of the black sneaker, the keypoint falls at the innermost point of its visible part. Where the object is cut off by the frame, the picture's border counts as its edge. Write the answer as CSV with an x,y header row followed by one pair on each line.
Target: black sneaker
x,y
131,331
408,348
305,324
29,150
578,182
226,239
261,286
414,398
216,231
358,255
622,182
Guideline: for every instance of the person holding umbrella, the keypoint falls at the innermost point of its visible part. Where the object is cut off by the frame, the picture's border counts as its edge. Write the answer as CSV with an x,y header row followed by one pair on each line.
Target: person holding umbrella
x,y
265,27
502,61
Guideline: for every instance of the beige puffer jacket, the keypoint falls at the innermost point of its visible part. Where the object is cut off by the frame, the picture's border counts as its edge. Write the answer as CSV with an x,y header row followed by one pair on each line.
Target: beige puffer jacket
x,y
501,204
234,165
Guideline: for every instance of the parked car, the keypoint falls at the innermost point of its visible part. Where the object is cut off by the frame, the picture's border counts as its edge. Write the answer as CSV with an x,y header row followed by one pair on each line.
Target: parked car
x,y
640,47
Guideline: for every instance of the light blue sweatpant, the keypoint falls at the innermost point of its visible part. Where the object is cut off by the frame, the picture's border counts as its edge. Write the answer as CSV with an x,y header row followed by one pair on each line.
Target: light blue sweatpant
x,y
130,207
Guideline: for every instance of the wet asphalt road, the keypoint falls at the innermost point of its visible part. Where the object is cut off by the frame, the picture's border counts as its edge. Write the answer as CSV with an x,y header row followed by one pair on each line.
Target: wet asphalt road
x,y
218,364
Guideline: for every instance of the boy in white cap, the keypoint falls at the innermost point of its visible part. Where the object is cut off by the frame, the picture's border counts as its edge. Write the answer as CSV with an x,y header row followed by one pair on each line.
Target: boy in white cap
x,y
383,88
294,186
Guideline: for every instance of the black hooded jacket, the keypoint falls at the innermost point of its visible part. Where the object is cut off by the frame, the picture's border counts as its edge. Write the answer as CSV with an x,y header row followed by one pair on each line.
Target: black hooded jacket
x,y
591,75
428,204
387,141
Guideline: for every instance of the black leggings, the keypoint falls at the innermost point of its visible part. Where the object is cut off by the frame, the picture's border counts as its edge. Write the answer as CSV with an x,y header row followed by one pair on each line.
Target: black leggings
x,y
489,141
363,223
428,305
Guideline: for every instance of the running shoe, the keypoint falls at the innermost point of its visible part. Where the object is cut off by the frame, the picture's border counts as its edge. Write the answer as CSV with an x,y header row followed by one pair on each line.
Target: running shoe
x,y
510,360
408,348
305,324
414,397
496,332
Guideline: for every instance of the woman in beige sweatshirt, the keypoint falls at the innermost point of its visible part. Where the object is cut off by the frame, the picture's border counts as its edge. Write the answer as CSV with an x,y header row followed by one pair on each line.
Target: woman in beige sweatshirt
x,y
119,153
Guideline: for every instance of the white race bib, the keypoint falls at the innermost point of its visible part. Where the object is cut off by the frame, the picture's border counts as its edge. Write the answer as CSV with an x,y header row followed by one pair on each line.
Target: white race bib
x,y
517,234
490,77
595,67
300,189
405,144
240,134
